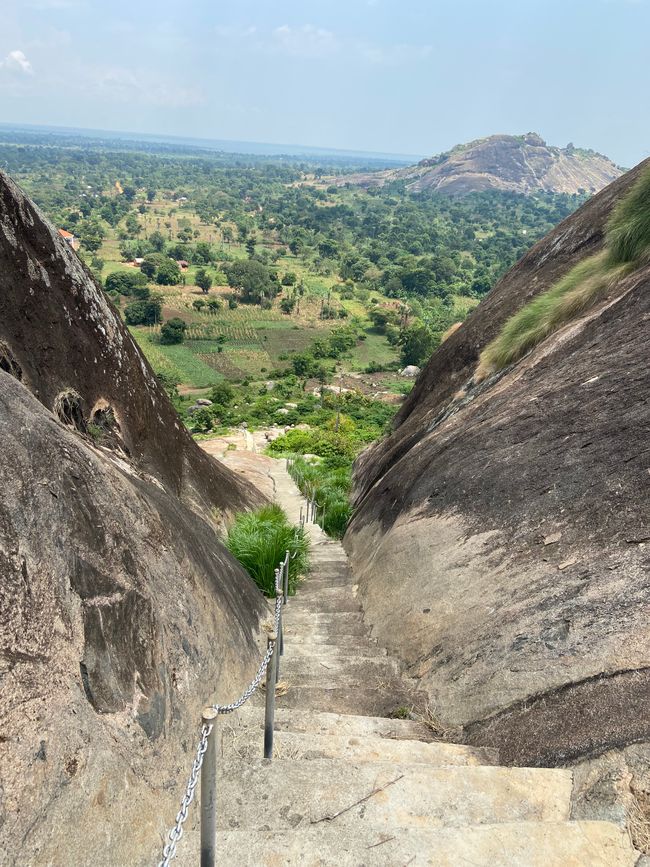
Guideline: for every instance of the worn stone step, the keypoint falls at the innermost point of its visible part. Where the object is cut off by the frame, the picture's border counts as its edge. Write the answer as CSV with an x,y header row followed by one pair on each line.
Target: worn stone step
x,y
516,844
307,721
378,699
288,794
309,635
332,603
330,670
375,749
333,651
323,619
345,623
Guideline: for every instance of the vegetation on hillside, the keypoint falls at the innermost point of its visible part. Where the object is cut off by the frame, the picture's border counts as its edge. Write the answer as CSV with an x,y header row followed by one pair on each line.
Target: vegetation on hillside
x,y
627,243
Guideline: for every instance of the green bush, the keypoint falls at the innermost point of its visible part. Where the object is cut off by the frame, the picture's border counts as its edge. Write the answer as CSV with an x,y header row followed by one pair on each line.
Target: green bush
x,y
173,331
259,540
125,282
143,312
330,486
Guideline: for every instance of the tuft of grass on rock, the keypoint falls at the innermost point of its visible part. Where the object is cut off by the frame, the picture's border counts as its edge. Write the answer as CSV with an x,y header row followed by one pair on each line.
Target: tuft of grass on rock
x,y
628,230
627,244
259,540
578,290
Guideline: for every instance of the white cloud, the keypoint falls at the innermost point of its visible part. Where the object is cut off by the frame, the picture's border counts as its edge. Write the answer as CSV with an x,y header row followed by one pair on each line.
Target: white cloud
x,y
141,88
305,41
16,61
309,41
394,55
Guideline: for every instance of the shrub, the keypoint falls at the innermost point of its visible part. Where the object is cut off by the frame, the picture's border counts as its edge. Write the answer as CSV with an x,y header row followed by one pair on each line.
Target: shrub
x,y
168,273
331,488
259,540
125,282
143,312
172,331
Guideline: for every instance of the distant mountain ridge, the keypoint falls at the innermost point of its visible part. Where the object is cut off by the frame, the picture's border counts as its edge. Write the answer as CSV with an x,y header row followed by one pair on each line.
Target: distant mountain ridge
x,y
519,164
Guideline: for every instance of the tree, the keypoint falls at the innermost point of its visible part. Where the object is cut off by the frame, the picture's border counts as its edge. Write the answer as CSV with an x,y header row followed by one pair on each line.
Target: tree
x,y
125,282
287,304
202,253
203,280
417,344
151,194
213,305
199,304
222,394
303,364
289,279
148,268
168,273
157,241
253,280
91,234
173,331
143,312
250,245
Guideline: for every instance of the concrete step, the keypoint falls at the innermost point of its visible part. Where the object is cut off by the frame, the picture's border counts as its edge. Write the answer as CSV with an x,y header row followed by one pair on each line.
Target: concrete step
x,y
333,651
375,749
315,636
329,670
332,603
286,794
327,620
338,725
346,623
380,699
517,844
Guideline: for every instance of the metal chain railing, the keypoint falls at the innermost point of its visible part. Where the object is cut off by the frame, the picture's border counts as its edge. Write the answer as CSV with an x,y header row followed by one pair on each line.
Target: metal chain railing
x,y
276,639
310,514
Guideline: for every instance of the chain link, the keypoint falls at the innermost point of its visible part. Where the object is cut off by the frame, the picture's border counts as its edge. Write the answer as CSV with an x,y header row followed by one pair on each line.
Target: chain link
x,y
169,851
174,836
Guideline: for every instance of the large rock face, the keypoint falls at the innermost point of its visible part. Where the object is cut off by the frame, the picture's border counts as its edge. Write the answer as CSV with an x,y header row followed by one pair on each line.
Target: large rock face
x,y
502,531
122,613
518,164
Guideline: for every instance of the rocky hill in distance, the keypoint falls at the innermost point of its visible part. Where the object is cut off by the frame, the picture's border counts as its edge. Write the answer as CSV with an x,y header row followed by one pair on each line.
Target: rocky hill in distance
x,y
518,164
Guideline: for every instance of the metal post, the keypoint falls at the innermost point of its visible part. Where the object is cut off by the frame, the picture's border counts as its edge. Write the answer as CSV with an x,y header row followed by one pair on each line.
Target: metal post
x,y
286,578
209,793
270,700
278,592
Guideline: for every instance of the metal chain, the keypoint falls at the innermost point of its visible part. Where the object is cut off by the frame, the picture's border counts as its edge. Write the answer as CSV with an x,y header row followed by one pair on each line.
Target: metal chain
x,y
169,850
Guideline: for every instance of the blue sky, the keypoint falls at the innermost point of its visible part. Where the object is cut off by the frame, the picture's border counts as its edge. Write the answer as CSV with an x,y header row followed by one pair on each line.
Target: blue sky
x,y
415,76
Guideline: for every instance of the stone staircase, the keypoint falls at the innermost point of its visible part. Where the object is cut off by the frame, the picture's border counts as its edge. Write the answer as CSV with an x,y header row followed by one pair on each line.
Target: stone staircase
x,y
350,786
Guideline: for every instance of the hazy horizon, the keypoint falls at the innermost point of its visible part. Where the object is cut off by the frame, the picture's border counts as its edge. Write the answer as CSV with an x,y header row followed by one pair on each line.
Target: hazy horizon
x,y
369,77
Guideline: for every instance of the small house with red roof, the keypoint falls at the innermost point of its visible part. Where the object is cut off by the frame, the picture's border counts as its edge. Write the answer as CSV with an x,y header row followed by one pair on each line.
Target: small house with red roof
x,y
69,238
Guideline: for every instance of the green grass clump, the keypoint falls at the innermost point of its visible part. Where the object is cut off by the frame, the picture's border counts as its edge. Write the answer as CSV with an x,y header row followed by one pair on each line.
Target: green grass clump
x,y
627,242
585,284
628,230
330,486
259,540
